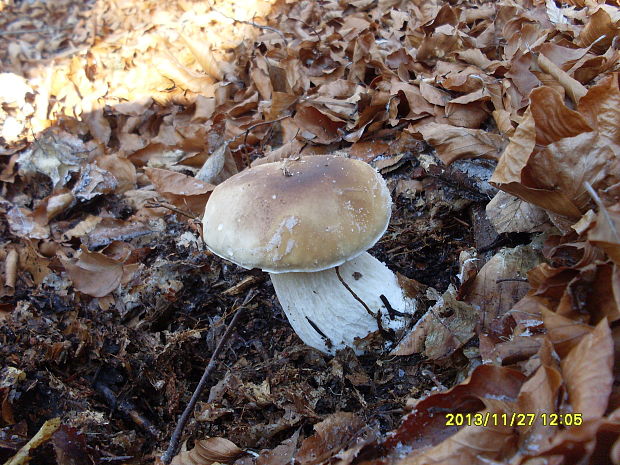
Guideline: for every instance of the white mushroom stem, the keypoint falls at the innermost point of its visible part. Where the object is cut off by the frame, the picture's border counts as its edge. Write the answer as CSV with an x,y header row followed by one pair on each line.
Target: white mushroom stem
x,y
326,310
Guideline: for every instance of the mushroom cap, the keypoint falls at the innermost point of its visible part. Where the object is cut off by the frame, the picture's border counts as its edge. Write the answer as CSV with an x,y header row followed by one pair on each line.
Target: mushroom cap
x,y
300,215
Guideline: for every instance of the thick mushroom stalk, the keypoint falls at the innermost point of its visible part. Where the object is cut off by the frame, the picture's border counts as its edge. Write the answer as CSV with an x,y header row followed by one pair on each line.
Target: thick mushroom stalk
x,y
334,308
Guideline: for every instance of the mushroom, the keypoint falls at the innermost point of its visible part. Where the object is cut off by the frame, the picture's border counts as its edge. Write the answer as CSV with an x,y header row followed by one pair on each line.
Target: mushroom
x,y
309,222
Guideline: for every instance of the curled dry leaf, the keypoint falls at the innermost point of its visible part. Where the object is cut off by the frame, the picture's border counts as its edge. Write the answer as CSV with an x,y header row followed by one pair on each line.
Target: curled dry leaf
x,y
93,273
587,371
425,427
606,232
218,167
208,451
331,435
55,155
184,191
445,327
555,150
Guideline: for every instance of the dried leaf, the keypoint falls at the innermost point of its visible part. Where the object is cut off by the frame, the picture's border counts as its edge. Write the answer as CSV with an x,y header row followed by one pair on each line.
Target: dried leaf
x,y
453,143
23,223
208,451
447,326
186,192
93,273
499,284
218,167
511,214
331,435
317,126
606,232
587,371
70,447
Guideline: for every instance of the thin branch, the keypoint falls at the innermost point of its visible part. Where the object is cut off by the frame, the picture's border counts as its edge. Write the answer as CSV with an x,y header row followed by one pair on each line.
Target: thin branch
x,y
175,440
151,204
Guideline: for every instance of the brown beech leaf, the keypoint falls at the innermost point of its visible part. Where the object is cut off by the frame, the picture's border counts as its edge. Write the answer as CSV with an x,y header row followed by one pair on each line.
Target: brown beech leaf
x,y
587,372
122,169
606,232
565,333
331,435
70,447
23,223
184,191
453,143
283,454
445,327
538,396
553,176
208,451
93,273
601,107
553,120
426,425
322,129
573,87
600,29
498,285
471,444
508,213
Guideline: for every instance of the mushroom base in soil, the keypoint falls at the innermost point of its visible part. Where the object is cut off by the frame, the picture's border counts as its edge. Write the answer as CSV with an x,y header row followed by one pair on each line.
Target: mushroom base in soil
x,y
336,308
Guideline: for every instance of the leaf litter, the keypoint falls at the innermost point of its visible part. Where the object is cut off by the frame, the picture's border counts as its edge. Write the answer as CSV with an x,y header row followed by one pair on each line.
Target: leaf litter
x,y
495,125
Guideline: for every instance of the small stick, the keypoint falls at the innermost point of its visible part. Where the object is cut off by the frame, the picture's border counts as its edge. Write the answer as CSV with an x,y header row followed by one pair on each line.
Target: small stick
x,y
152,204
175,440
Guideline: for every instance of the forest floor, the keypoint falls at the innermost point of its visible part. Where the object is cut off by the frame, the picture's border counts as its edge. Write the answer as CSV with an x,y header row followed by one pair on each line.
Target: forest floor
x,y
495,126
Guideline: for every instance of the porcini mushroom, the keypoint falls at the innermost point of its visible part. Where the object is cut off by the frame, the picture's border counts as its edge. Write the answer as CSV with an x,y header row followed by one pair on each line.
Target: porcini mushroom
x,y
309,222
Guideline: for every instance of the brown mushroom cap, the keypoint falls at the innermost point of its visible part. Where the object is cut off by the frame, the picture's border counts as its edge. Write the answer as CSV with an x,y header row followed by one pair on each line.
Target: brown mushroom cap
x,y
298,215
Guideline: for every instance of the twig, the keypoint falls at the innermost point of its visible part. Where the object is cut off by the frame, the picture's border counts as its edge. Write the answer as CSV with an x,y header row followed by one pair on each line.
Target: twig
x,y
126,407
254,126
175,440
151,204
